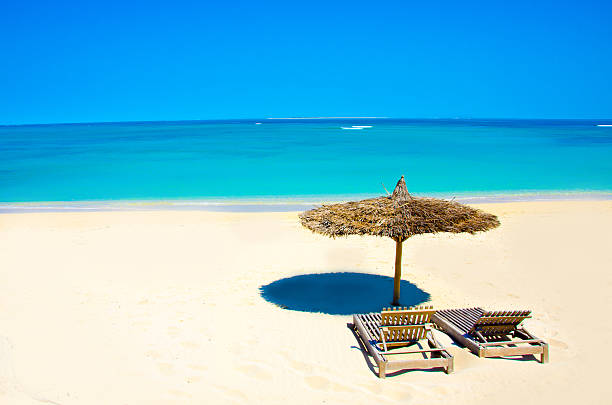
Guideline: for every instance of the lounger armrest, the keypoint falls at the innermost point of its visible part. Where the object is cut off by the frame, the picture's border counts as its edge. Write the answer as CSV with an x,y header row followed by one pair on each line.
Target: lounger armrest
x,y
382,337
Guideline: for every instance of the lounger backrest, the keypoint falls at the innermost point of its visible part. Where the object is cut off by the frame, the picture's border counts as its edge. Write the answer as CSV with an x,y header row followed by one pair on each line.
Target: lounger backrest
x,y
405,324
499,322
406,316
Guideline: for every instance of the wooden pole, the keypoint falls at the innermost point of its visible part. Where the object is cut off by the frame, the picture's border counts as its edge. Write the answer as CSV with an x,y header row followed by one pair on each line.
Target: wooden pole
x,y
398,273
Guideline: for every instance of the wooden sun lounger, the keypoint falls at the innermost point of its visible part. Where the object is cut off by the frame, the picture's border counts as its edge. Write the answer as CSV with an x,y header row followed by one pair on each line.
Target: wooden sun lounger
x,y
491,333
394,328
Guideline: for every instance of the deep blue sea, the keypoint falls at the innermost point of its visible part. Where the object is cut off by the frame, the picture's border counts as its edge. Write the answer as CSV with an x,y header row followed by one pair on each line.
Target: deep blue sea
x,y
212,160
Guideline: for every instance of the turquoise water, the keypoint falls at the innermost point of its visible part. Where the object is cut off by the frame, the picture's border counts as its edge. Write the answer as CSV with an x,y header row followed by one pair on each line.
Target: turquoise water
x,y
299,158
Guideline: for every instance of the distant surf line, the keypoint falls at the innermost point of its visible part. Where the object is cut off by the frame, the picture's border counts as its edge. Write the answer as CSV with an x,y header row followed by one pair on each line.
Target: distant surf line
x,y
321,118
357,127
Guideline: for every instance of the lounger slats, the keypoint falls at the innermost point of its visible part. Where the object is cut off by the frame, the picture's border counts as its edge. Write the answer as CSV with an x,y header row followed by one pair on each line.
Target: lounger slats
x,y
464,319
412,316
395,327
403,334
499,322
461,319
401,325
491,333
371,328
368,326
471,320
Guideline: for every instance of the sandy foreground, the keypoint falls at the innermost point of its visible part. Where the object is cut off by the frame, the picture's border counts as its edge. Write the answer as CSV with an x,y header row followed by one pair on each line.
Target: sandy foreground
x,y
163,307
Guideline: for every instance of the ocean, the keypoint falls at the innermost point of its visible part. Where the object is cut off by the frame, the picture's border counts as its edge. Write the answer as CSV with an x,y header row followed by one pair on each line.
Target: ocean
x,y
302,160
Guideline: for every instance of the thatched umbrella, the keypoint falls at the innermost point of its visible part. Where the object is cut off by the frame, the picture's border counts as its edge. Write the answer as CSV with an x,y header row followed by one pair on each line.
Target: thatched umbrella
x,y
398,216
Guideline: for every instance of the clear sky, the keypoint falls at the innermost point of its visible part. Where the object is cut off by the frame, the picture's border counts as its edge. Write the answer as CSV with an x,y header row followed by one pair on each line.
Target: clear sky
x,y
75,61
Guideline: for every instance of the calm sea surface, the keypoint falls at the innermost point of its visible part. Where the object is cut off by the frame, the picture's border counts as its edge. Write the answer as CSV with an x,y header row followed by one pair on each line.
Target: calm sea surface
x,y
301,158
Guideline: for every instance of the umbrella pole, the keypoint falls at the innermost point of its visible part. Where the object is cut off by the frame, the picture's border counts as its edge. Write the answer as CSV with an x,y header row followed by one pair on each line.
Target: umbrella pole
x,y
398,273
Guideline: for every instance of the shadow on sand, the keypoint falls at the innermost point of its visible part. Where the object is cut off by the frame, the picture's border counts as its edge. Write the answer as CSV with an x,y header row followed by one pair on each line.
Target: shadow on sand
x,y
339,293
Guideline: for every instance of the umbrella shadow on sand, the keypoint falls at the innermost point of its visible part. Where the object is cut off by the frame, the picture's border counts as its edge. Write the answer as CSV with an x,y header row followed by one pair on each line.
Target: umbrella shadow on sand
x,y
342,293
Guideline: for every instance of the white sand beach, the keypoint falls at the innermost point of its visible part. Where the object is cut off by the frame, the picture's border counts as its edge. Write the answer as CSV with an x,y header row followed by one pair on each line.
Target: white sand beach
x,y
163,307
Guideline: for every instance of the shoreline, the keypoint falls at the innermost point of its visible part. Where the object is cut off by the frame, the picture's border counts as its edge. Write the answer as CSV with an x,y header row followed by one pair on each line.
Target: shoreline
x,y
280,204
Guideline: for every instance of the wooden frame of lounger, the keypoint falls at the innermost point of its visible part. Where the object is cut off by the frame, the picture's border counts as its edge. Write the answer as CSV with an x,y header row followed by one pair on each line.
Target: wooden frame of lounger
x,y
491,333
401,327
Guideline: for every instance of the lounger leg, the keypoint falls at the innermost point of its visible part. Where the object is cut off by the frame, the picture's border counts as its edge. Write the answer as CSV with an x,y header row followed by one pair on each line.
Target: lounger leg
x,y
382,369
451,366
544,358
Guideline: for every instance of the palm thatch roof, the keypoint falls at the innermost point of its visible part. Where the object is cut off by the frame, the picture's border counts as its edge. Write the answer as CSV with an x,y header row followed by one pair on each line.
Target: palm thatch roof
x,y
397,216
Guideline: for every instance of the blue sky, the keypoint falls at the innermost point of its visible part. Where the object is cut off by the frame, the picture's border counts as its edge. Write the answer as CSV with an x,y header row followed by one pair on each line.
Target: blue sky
x,y
74,61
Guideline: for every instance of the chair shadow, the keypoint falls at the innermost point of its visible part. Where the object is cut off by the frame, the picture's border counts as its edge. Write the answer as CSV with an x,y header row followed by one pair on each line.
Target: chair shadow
x,y
342,293
363,349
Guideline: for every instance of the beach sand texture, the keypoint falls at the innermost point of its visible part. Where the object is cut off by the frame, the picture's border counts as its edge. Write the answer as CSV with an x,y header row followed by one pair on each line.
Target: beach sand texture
x,y
163,307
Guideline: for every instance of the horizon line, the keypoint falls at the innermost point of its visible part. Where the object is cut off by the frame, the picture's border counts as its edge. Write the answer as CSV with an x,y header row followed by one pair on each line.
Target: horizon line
x,y
303,118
